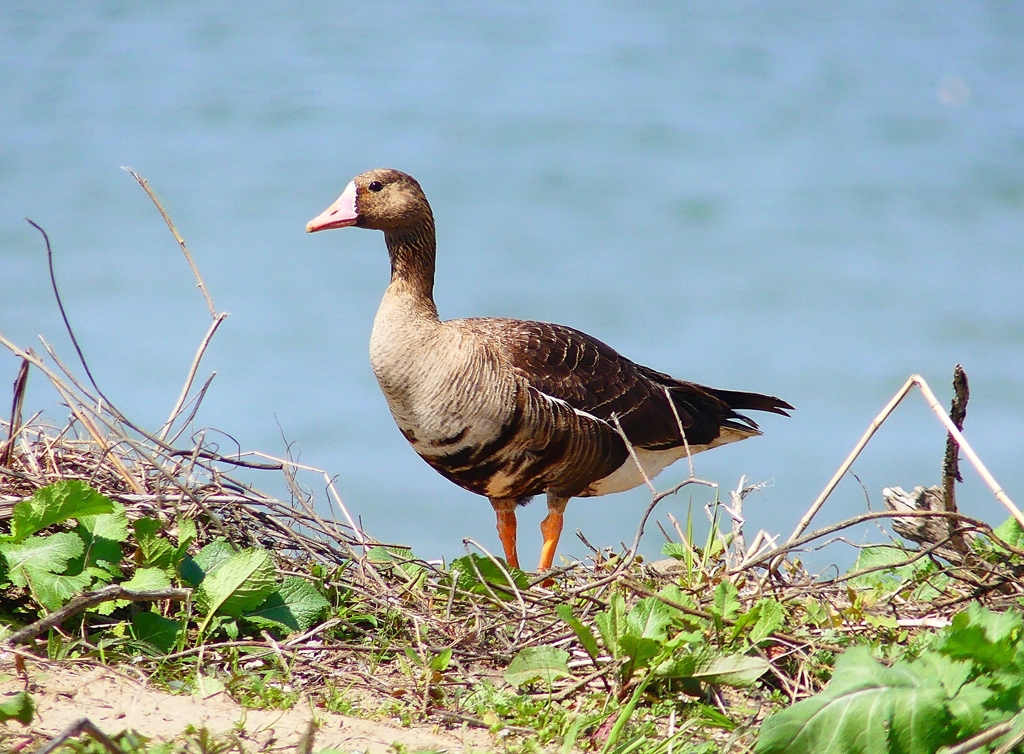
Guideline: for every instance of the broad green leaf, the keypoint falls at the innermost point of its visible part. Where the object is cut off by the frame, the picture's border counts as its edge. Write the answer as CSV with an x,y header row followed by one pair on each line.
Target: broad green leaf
x,y
402,557
52,590
42,554
156,551
675,550
680,665
147,580
727,603
952,674
187,533
157,630
772,616
18,706
817,613
439,662
639,649
296,605
112,526
389,554
238,584
983,637
469,581
730,670
970,707
649,619
545,664
611,624
102,535
1010,532
70,498
194,570
583,632
886,557
933,582
865,709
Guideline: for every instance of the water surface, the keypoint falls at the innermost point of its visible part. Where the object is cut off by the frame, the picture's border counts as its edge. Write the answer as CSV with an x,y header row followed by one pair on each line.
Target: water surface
x,y
808,202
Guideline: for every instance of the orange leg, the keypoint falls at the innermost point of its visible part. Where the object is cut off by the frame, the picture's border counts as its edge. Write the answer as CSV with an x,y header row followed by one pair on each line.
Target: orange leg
x,y
551,528
505,510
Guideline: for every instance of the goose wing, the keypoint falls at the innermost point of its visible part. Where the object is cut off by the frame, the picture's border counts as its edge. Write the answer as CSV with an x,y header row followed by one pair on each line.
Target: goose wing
x,y
569,365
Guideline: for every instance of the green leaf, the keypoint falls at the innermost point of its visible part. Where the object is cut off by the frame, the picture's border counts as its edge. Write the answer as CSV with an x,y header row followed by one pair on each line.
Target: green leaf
x,y
952,674
865,709
187,534
157,630
771,617
18,706
238,584
70,498
148,580
112,526
41,554
469,581
101,535
582,631
886,557
52,590
296,605
156,551
649,619
986,638
1010,532
389,554
194,570
731,670
639,649
545,664
439,662
969,707
726,605
675,550
611,624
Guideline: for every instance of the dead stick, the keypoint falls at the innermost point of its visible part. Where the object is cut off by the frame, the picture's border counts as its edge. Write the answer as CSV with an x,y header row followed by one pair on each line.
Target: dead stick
x,y
82,725
965,446
217,320
929,396
200,284
69,398
841,471
951,462
981,739
177,237
16,406
83,602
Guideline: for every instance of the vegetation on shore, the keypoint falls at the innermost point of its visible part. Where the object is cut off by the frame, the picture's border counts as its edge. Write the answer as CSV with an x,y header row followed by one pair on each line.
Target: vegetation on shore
x,y
124,547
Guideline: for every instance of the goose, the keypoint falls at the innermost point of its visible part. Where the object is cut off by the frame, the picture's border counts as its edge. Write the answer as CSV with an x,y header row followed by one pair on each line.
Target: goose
x,y
510,409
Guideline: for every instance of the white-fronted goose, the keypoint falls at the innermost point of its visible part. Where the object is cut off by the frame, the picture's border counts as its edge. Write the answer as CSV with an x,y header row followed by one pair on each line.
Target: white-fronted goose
x,y
510,409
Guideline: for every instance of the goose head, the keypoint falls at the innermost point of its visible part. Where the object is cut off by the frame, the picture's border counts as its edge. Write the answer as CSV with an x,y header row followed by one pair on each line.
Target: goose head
x,y
384,199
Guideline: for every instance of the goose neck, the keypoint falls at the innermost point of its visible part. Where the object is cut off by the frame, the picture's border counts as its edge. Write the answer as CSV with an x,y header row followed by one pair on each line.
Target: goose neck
x,y
413,252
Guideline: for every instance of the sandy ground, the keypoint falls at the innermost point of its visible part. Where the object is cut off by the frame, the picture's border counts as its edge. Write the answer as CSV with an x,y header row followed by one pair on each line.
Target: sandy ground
x,y
115,702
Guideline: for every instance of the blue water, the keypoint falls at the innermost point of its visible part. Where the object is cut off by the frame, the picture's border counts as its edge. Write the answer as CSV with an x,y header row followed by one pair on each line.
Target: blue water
x,y
779,197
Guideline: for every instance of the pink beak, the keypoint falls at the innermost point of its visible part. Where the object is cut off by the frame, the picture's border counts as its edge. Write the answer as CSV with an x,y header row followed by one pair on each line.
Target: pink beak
x,y
341,214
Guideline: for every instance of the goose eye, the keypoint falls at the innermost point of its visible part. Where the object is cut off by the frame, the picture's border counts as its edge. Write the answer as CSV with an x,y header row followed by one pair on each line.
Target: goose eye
x,y
375,186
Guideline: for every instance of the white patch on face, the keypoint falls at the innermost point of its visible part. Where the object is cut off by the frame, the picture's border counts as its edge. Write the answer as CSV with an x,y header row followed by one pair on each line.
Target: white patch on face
x,y
347,201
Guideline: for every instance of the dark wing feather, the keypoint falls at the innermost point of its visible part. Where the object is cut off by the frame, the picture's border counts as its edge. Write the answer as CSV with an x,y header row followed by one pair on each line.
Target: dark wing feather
x,y
591,376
